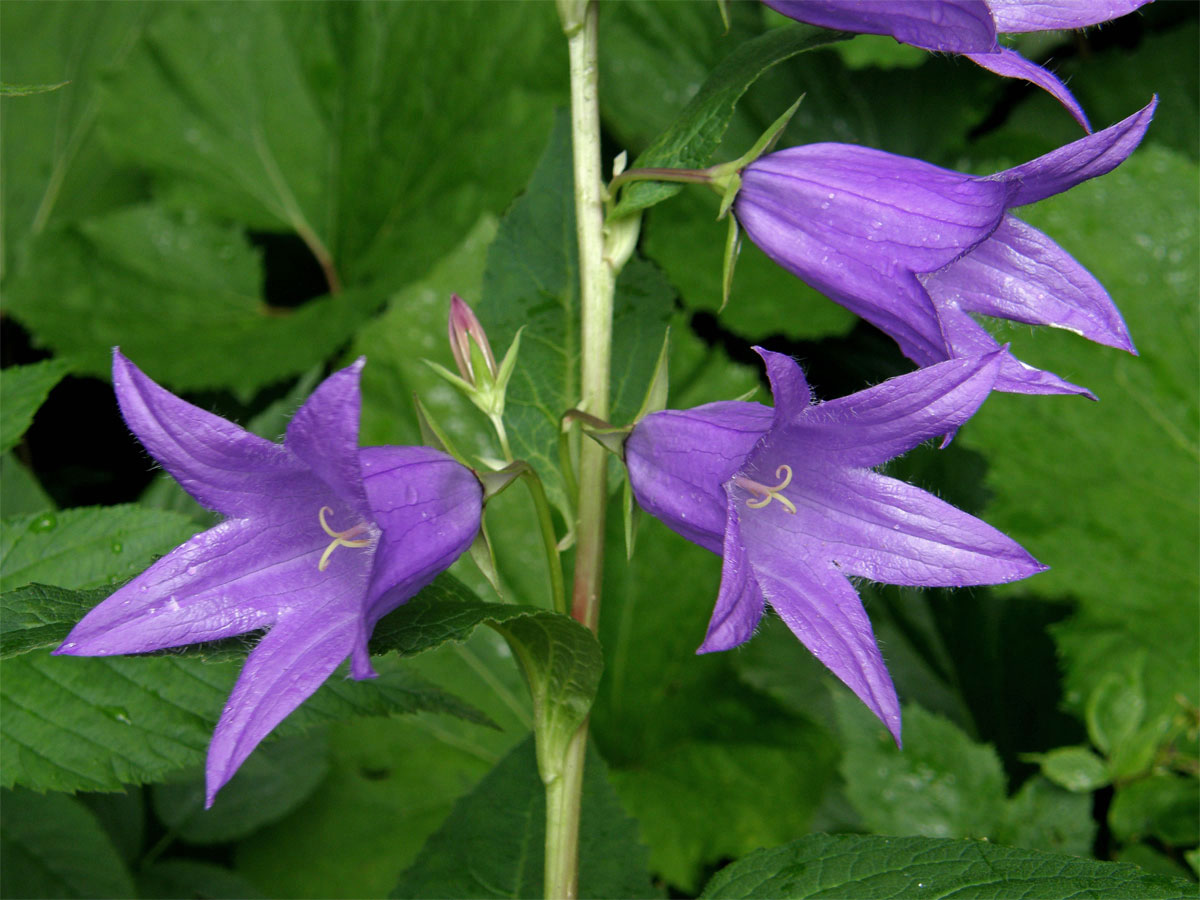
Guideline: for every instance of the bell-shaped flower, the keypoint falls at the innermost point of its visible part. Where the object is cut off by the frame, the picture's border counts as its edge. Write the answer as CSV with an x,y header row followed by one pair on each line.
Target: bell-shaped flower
x,y
967,27
789,497
320,541
917,250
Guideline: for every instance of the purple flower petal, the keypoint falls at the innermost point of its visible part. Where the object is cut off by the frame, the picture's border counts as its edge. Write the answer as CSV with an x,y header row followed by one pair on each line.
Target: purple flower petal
x,y
1088,157
324,434
955,26
823,610
1015,16
870,427
284,670
1011,64
1020,274
678,460
322,539
739,601
224,467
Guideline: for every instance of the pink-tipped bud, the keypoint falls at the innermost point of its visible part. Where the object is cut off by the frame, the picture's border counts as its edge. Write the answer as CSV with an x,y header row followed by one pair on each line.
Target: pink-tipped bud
x,y
463,327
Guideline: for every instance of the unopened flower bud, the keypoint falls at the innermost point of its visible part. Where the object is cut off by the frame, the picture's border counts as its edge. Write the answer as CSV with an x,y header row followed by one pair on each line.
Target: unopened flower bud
x,y
463,327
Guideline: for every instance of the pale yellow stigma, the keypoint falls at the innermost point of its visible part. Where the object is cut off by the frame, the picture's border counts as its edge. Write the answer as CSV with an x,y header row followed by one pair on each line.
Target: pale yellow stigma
x,y
767,494
340,538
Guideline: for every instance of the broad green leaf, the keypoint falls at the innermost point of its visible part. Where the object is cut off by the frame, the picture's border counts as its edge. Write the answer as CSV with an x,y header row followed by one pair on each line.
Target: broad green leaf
x,y
270,784
943,784
317,119
39,616
171,878
154,281
54,166
78,723
694,136
492,843
531,281
20,488
1115,709
851,867
88,546
392,782
54,847
123,816
760,772
22,391
1119,530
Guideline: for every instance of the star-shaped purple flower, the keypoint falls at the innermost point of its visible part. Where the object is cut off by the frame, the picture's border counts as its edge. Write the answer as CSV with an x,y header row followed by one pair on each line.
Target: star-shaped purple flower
x,y
320,541
968,27
789,498
916,249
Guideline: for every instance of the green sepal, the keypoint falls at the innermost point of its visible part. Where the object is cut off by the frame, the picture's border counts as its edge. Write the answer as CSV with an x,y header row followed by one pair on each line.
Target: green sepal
x,y
656,394
485,558
507,366
733,246
633,515
497,481
432,435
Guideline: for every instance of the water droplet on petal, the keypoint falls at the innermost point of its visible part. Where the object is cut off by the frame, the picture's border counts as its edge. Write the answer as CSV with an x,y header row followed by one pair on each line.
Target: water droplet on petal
x,y
191,570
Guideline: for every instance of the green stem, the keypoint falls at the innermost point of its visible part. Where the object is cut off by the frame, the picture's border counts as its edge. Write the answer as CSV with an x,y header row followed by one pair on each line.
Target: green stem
x,y
684,176
596,278
549,538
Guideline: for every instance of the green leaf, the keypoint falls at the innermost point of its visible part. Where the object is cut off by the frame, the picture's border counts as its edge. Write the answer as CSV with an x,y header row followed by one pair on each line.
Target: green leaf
x,y
172,878
760,771
694,136
20,488
22,390
1044,816
39,616
79,723
306,119
1119,531
54,166
1077,769
941,784
86,547
492,843
1165,807
562,662
154,281
54,847
266,788
392,782
869,866
531,281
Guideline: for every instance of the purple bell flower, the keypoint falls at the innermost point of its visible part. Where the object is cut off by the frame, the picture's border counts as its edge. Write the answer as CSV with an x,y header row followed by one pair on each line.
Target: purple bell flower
x,y
789,498
967,27
916,249
320,541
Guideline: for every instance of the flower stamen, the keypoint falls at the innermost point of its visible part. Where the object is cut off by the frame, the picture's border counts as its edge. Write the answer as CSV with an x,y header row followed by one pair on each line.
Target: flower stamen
x,y
767,494
340,538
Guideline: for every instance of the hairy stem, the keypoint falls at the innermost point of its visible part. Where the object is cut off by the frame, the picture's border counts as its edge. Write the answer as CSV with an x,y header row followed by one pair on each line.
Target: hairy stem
x,y
596,298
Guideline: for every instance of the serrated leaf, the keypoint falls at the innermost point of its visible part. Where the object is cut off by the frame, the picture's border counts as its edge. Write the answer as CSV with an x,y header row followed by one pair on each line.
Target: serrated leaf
x,y
39,616
869,866
266,788
22,391
1163,806
154,281
54,847
80,723
1120,531
693,137
492,843
531,281
88,546
328,135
